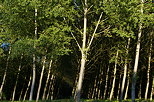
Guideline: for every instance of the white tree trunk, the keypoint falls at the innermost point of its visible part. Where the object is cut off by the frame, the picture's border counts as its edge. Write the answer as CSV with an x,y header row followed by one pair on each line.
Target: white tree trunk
x,y
40,83
152,90
34,60
83,57
106,81
127,87
4,77
81,76
137,57
84,49
115,70
14,91
119,86
47,81
50,86
125,71
149,65
30,79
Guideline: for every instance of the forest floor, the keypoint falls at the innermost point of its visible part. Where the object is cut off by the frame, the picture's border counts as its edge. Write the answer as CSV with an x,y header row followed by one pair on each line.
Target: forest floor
x,y
90,100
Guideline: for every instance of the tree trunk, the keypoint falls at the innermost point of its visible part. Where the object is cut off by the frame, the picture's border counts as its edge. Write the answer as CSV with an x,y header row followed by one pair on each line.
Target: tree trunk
x,y
119,87
127,87
137,57
115,70
83,57
81,77
50,86
100,83
152,90
17,79
106,82
84,49
148,71
34,60
40,83
4,77
94,88
74,88
125,71
140,90
27,88
47,81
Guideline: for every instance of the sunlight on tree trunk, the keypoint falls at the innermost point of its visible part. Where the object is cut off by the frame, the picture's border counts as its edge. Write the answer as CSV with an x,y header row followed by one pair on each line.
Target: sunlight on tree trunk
x,y
40,82
47,81
127,87
5,72
25,95
115,70
149,65
14,91
34,60
106,81
152,90
137,56
125,71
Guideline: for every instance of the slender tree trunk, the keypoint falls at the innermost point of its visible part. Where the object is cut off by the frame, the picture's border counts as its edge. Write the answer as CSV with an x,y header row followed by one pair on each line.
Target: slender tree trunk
x,y
40,83
152,90
83,57
22,90
21,93
47,81
74,88
94,88
34,60
148,71
137,57
115,70
5,72
127,87
140,88
100,83
50,86
119,87
125,71
27,88
14,91
106,82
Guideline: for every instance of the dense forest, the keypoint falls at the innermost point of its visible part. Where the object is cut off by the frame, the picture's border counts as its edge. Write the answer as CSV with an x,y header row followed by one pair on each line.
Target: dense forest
x,y
76,49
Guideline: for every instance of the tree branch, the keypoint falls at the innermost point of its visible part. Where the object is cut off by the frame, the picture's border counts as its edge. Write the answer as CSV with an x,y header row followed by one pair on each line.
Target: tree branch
x,y
76,41
94,32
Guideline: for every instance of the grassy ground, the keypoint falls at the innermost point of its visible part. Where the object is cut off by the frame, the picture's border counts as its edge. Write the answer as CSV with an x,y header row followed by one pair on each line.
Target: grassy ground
x,y
70,100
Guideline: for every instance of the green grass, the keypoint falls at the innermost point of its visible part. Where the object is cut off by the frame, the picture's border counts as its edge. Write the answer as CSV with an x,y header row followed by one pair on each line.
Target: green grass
x,y
83,100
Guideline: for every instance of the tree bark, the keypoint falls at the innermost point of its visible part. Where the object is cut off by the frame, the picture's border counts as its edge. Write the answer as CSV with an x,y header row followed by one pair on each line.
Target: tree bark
x,y
137,57
84,49
125,71
50,86
106,82
47,81
83,57
40,82
5,72
14,91
115,70
34,60
25,95
127,87
119,86
149,65
152,90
